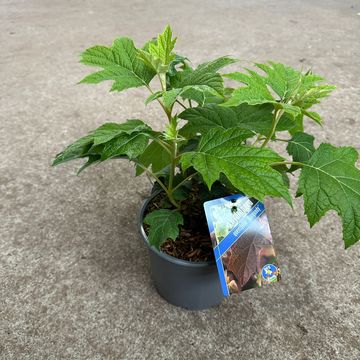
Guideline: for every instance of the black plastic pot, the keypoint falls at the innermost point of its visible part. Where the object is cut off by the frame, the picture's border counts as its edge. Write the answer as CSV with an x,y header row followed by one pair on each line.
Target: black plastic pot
x,y
191,285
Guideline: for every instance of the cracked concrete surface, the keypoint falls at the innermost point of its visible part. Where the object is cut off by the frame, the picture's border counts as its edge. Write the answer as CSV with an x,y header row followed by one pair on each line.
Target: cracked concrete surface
x,y
74,281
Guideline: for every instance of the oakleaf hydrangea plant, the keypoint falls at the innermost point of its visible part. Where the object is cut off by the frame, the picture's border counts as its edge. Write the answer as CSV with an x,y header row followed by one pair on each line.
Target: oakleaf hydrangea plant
x,y
215,133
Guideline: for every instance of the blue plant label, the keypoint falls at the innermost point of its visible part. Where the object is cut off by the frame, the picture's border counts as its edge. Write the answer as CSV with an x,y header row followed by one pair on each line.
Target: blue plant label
x,y
242,242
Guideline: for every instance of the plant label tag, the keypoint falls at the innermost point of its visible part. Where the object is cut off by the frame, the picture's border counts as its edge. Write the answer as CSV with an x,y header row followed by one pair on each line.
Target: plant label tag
x,y
242,242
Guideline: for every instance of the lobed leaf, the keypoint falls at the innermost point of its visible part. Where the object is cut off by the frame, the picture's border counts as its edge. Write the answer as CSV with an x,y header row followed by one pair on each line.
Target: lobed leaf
x,y
330,181
296,91
120,63
154,156
200,83
257,119
163,47
164,224
247,168
300,147
283,79
254,93
128,139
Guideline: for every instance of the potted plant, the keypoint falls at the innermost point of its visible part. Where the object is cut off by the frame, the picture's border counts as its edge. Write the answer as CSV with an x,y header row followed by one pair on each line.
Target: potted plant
x,y
215,142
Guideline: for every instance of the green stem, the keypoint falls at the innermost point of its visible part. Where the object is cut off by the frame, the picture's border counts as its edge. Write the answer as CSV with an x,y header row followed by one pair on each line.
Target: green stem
x,y
162,185
167,112
153,175
284,140
173,149
277,115
288,163
172,165
163,144
162,78
181,104
257,140
183,181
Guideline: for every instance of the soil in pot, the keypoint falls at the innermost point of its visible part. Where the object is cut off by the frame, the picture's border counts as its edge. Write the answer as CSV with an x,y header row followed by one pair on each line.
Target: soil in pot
x,y
193,243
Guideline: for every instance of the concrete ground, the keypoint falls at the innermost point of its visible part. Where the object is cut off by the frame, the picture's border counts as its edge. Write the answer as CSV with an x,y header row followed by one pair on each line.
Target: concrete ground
x,y
74,280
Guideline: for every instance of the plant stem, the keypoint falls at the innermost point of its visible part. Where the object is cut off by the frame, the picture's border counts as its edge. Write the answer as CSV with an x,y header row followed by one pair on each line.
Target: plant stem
x,y
162,78
277,115
172,149
288,163
162,185
172,165
284,140
181,104
256,140
167,112
153,175
163,145
183,181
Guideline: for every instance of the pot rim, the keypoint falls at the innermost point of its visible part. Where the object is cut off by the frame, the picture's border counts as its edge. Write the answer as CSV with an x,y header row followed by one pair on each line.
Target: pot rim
x,y
172,259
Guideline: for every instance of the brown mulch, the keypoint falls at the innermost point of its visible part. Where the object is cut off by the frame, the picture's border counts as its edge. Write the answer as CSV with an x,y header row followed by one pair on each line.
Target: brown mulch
x,y
193,243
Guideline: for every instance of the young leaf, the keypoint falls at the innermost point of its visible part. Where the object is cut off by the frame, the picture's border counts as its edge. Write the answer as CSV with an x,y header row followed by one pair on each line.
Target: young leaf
x,y
282,79
330,181
164,46
313,115
300,147
164,224
254,93
157,54
154,96
204,74
120,64
247,168
178,60
216,65
196,84
296,91
257,119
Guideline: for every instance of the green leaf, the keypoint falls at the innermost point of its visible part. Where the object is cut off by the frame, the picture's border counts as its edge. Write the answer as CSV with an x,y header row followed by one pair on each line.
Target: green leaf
x,y
216,65
128,139
199,77
313,115
120,64
292,110
164,46
155,156
131,146
92,159
330,181
79,149
298,123
108,131
254,93
301,147
154,96
178,60
296,91
282,79
164,224
171,96
199,83
256,118
247,168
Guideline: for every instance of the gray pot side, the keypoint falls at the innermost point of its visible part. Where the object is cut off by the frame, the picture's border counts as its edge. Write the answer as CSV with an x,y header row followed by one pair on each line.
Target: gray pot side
x,y
191,285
